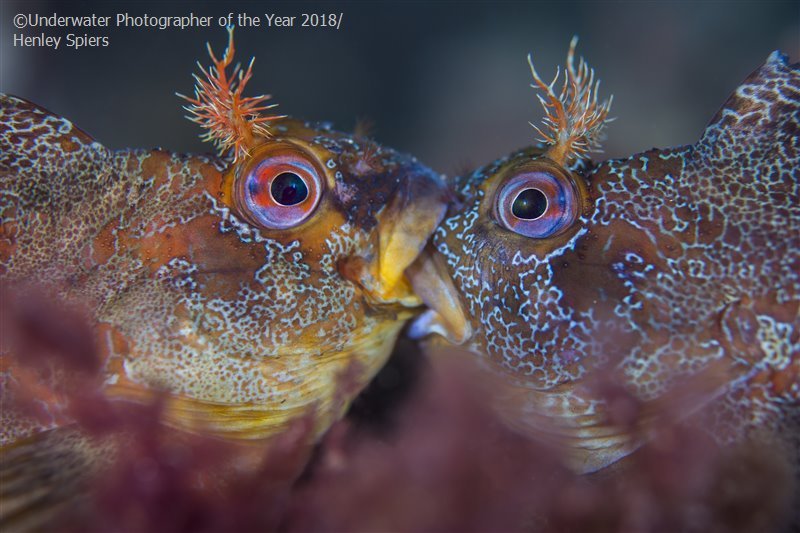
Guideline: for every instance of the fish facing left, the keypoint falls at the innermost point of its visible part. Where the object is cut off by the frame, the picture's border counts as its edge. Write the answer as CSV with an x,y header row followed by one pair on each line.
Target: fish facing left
x,y
245,288
610,299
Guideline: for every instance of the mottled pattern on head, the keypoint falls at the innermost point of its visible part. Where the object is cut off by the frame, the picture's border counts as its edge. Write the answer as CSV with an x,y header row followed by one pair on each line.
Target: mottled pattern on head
x,y
245,326
680,260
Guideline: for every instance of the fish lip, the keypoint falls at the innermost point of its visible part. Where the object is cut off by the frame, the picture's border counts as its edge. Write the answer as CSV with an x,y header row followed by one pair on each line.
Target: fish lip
x,y
404,227
446,315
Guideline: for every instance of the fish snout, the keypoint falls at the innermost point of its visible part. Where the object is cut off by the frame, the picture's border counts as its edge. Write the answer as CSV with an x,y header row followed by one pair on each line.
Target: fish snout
x,y
433,284
403,228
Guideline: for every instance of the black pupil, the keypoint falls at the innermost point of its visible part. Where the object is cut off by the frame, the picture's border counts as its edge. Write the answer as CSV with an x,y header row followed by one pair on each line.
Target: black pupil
x,y
530,204
289,189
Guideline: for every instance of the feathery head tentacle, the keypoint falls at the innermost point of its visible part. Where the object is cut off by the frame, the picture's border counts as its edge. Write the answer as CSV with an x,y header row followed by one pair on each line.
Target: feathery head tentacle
x,y
232,121
574,118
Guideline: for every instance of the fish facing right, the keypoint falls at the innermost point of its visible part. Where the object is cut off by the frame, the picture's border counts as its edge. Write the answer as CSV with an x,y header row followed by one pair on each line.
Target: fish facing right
x,y
246,294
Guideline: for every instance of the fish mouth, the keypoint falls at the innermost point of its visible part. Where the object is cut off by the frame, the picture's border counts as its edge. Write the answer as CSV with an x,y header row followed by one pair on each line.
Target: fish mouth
x,y
404,227
433,284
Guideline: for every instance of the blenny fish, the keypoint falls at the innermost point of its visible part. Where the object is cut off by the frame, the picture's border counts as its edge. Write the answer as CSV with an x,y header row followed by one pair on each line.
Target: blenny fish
x,y
672,275
243,287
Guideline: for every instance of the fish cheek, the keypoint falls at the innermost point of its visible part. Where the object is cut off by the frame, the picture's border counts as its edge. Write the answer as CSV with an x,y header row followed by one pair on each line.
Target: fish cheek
x,y
605,276
588,281
314,238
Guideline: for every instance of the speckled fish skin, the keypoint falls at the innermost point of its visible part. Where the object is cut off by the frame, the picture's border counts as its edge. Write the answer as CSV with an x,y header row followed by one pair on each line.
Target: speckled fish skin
x,y
681,260
247,328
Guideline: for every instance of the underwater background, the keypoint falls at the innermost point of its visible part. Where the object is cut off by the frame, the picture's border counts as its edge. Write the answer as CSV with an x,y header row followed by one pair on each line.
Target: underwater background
x,y
446,81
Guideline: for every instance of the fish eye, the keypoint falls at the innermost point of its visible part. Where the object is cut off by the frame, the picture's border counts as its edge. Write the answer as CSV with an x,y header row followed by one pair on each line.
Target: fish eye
x,y
529,204
281,190
537,204
288,189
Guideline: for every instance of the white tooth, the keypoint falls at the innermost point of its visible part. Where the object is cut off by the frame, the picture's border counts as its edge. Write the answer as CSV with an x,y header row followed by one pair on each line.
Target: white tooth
x,y
429,323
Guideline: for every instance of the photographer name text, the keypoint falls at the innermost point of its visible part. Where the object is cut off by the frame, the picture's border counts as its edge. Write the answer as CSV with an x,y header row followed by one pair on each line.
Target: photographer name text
x,y
41,29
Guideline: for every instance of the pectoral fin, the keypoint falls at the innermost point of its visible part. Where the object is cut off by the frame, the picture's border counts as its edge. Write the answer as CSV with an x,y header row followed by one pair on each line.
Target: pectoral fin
x,y
43,475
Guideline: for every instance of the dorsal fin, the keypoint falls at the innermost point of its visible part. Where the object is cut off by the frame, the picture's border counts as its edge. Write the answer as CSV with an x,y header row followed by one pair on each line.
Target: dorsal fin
x,y
764,108
36,142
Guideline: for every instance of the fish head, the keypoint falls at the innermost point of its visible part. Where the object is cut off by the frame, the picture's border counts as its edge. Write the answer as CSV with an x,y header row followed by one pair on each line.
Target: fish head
x,y
262,284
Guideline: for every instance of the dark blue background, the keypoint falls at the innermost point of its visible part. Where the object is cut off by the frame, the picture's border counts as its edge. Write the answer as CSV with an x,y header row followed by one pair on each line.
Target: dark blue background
x,y
447,81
